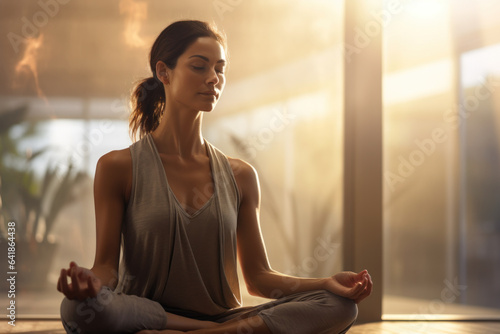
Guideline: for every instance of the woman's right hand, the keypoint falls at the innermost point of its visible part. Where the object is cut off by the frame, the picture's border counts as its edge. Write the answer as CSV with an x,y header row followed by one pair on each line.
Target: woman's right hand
x,y
84,283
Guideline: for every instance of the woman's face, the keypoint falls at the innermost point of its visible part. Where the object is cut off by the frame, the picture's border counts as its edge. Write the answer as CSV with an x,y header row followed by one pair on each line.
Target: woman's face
x,y
198,79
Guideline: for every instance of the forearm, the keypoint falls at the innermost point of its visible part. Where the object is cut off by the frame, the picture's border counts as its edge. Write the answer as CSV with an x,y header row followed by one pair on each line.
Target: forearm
x,y
107,275
272,284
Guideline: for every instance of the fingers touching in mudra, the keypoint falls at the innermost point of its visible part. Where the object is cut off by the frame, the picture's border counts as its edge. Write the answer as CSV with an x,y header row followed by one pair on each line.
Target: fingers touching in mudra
x,y
355,286
83,282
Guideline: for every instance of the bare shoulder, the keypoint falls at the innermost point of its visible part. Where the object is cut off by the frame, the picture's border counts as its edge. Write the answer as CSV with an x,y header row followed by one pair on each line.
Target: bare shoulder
x,y
242,169
246,177
116,159
114,170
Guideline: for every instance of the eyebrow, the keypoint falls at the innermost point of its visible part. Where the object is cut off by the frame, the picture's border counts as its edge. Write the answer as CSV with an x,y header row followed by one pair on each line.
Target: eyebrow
x,y
206,59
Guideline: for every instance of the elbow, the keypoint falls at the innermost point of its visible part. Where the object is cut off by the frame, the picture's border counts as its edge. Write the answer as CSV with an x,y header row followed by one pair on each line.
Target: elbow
x,y
253,290
264,292
258,285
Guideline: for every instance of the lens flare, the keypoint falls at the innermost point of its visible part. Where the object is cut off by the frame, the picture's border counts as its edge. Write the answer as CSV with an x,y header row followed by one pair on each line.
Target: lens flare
x,y
28,63
135,14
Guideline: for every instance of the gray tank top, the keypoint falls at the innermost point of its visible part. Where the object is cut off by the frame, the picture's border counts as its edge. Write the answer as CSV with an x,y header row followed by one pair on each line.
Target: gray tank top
x,y
185,262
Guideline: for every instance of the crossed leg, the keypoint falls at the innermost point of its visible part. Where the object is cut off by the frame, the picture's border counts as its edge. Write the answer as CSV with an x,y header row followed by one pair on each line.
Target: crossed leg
x,y
254,325
312,312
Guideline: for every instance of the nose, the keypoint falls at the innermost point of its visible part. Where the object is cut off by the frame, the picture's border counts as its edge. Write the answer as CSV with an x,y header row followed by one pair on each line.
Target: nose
x,y
213,78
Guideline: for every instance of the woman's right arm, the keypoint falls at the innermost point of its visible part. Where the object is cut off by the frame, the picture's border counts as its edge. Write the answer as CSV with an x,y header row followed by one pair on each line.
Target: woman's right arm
x,y
112,186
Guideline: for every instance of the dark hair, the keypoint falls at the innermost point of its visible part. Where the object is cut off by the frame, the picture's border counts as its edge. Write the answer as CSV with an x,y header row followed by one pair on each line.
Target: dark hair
x,y
148,96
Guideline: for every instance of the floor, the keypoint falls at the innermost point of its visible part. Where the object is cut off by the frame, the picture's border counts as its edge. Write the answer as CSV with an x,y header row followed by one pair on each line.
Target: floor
x,y
385,327
33,327
438,327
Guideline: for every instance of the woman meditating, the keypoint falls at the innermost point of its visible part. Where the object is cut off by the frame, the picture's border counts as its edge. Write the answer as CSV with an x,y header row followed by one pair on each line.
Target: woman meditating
x,y
181,213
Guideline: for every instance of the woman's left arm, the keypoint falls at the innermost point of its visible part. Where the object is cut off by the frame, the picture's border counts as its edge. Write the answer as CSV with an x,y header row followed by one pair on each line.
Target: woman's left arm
x,y
261,280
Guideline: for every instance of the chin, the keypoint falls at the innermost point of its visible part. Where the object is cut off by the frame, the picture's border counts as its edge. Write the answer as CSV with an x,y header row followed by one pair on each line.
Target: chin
x,y
208,108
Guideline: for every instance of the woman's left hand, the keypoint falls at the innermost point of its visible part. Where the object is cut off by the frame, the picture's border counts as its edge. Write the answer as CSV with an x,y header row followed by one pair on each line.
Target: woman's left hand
x,y
351,285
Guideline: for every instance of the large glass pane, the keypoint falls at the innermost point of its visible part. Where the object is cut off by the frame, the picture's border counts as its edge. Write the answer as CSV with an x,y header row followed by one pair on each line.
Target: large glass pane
x,y
479,120
77,61
441,220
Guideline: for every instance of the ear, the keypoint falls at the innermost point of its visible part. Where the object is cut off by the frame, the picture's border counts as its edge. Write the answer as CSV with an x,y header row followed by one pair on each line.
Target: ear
x,y
162,72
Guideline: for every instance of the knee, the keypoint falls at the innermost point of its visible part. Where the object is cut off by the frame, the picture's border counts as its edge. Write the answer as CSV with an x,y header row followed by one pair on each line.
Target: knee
x,y
350,315
344,310
348,309
92,315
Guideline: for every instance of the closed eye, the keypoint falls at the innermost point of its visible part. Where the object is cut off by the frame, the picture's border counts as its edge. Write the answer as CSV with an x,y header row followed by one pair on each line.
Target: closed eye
x,y
202,68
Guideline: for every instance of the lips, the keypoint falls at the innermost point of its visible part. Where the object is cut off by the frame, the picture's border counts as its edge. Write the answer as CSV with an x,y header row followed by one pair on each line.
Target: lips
x,y
210,93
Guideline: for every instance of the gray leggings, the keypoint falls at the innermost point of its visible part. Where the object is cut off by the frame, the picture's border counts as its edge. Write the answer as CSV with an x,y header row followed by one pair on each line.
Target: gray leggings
x,y
314,312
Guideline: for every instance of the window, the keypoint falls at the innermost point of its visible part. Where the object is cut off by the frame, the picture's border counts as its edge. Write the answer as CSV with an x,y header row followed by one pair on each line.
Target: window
x,y
441,226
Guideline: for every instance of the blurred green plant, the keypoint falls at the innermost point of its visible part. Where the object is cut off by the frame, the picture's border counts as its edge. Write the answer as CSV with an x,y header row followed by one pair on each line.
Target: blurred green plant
x,y
32,201
24,197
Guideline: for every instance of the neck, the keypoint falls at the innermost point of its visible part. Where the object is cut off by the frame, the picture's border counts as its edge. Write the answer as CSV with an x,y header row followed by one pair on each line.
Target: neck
x,y
179,133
